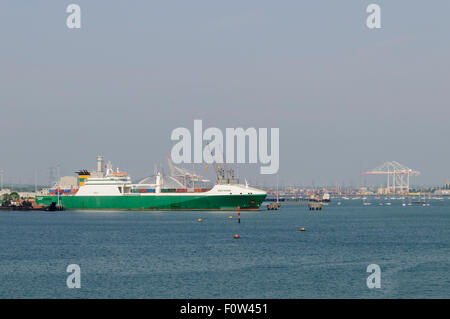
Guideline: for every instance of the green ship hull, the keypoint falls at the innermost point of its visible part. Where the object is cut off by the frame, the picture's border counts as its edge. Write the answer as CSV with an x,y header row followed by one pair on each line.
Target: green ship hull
x,y
158,202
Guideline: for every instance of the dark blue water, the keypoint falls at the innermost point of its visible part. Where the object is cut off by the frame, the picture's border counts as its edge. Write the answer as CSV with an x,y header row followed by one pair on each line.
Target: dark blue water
x,y
172,255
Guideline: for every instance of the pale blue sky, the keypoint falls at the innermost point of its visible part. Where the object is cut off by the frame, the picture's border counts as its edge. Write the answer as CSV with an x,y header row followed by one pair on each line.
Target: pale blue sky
x,y
343,96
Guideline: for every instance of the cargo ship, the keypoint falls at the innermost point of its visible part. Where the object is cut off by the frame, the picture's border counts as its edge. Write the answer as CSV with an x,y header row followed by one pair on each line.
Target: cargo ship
x,y
109,189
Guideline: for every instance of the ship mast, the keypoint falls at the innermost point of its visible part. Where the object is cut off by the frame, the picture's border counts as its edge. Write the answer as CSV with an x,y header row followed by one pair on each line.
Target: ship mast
x,y
278,191
57,182
2,171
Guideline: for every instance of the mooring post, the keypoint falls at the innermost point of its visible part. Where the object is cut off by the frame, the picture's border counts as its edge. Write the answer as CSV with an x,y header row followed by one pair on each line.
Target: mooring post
x,y
239,214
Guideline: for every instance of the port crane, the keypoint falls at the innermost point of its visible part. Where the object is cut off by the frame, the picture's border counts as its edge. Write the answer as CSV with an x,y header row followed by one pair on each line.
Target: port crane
x,y
398,176
185,177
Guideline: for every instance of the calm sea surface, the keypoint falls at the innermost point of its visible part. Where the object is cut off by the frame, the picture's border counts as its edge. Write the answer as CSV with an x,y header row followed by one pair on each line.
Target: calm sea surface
x,y
172,255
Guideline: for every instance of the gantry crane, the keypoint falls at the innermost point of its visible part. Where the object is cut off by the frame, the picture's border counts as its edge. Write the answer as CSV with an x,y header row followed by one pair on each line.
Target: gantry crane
x,y
397,176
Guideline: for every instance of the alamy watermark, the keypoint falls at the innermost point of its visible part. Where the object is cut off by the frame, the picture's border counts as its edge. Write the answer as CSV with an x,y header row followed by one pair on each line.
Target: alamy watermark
x,y
373,21
73,21
374,279
74,279
257,148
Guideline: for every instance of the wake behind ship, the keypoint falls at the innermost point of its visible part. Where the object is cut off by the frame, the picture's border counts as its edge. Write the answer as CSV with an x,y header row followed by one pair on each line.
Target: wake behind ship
x,y
113,190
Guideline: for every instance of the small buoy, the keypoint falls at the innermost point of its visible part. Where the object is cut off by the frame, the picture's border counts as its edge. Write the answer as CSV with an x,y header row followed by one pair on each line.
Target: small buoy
x,y
302,229
237,236
199,220
230,217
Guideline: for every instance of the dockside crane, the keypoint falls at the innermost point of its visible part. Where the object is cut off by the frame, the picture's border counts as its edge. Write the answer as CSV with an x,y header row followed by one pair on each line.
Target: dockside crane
x,y
398,176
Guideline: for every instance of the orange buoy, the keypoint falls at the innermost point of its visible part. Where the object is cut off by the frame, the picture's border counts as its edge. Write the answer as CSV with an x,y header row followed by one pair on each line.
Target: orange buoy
x,y
230,217
236,236
302,229
199,220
